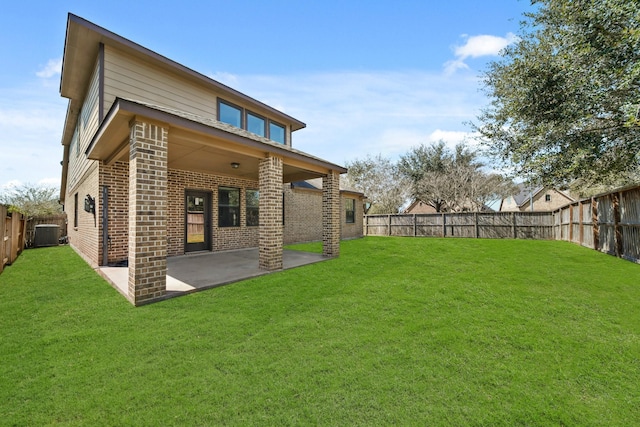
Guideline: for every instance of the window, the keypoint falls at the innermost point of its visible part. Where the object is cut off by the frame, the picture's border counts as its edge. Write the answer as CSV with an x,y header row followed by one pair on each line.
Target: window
x,y
228,207
255,124
276,132
75,210
230,114
547,197
350,207
252,204
252,122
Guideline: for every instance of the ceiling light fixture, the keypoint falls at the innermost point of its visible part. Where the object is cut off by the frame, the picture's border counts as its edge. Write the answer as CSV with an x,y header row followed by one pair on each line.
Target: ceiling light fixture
x,y
235,165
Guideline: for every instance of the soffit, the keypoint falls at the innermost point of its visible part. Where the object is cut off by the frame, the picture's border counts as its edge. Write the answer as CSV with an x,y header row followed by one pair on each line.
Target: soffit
x,y
202,145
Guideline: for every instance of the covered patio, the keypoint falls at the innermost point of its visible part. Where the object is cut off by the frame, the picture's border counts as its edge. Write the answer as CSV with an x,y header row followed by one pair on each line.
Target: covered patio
x,y
196,272
155,143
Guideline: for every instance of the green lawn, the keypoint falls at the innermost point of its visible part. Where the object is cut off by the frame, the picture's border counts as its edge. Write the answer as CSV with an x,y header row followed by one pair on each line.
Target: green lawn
x,y
397,331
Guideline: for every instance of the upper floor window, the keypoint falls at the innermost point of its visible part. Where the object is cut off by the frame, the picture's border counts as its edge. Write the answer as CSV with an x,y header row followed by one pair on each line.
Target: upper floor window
x,y
350,208
255,124
230,114
547,197
276,132
248,120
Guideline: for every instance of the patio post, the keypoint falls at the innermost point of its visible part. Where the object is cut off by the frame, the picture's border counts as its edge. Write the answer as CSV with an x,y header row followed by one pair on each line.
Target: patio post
x,y
331,214
147,211
270,213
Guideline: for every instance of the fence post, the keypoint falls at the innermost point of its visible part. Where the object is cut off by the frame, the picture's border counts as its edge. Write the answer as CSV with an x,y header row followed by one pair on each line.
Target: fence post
x,y
475,219
415,227
513,222
580,226
15,236
571,223
366,225
389,225
616,225
596,226
444,225
3,238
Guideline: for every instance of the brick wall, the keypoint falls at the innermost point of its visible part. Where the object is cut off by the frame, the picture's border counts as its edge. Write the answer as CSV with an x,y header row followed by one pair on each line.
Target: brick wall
x,y
222,238
86,236
331,214
355,229
270,230
147,212
116,178
303,215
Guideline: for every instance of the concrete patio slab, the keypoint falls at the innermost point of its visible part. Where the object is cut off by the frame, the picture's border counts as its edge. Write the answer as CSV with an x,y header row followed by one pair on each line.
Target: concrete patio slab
x,y
194,272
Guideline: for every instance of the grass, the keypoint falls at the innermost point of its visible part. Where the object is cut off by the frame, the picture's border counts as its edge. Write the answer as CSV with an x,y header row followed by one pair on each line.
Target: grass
x,y
397,331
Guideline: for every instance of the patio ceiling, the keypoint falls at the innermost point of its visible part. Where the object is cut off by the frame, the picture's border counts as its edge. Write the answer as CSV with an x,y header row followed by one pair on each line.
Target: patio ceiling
x,y
202,145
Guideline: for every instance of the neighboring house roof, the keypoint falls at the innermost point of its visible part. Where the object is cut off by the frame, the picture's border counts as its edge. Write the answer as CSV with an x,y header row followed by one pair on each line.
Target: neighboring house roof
x,y
526,193
418,206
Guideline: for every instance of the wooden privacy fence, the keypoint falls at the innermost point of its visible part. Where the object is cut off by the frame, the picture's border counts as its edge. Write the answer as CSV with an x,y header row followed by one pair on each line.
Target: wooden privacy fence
x,y
13,236
608,222
492,225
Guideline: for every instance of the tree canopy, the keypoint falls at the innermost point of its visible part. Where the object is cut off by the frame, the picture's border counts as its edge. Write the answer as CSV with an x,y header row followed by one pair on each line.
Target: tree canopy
x,y
565,99
451,180
378,178
32,200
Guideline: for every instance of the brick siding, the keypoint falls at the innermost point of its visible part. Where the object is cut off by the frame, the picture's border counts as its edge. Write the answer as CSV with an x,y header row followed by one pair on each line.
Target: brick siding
x,y
147,212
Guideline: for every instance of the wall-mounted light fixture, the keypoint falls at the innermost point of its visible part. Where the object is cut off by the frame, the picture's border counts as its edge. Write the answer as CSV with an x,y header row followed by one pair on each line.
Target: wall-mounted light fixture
x,y
235,165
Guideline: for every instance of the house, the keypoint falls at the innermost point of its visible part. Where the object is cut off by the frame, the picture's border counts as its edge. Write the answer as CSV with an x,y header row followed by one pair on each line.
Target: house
x,y
303,212
543,198
160,160
419,207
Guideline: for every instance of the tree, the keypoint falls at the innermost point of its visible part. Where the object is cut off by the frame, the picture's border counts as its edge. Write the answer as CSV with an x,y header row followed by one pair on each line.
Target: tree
x,y
32,200
378,178
451,180
565,99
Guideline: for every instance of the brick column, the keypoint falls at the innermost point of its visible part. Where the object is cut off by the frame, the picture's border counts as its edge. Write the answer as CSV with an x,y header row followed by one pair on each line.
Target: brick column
x,y
331,214
147,212
270,232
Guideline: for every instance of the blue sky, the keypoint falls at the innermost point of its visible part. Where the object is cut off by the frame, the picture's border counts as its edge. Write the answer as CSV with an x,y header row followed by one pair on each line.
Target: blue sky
x,y
367,77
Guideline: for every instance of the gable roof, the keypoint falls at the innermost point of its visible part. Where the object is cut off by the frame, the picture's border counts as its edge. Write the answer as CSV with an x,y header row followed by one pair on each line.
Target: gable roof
x,y
81,48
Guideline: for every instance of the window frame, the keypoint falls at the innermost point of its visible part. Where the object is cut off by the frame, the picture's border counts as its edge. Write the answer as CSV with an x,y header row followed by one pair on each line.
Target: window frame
x,y
244,113
284,132
350,219
222,223
234,106
75,210
248,208
265,123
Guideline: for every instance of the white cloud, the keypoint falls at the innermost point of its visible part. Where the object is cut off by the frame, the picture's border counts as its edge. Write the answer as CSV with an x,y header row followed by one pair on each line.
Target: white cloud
x,y
453,137
31,131
478,46
53,68
352,114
